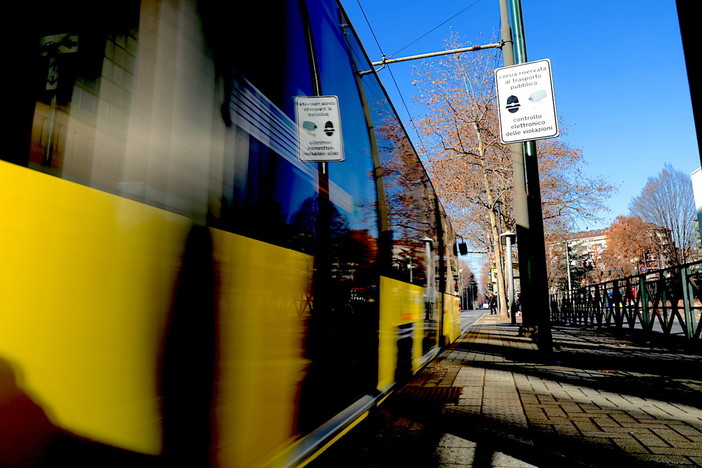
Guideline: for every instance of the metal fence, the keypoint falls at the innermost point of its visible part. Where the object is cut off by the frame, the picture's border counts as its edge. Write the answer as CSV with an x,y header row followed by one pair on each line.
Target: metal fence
x,y
663,301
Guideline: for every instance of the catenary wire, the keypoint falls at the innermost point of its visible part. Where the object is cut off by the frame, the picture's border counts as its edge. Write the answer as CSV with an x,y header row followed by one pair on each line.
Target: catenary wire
x,y
363,12
436,27
392,76
471,259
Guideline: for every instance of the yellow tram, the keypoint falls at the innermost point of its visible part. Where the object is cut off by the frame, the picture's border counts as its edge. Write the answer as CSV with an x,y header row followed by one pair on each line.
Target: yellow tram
x,y
178,284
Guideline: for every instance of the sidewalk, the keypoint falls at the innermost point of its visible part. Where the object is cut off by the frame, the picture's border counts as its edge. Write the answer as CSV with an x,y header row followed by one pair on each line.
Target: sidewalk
x,y
489,401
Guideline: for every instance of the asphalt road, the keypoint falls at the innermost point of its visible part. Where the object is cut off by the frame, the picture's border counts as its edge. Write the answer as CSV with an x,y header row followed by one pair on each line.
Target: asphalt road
x,y
469,317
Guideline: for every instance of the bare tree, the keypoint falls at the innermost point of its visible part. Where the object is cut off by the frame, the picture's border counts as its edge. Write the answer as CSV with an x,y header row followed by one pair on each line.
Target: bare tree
x,y
472,170
469,167
468,286
667,201
632,243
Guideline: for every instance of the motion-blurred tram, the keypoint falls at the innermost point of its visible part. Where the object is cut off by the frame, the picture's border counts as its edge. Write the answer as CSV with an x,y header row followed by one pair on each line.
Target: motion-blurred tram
x,y
178,284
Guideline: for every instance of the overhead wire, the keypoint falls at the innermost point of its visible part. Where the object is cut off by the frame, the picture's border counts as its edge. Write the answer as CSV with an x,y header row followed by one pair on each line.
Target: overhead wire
x,y
363,12
473,258
392,75
436,27
414,125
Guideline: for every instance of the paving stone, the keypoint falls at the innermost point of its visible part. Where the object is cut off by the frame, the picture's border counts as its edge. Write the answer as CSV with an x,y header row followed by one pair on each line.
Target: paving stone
x,y
592,401
687,431
651,440
631,445
670,436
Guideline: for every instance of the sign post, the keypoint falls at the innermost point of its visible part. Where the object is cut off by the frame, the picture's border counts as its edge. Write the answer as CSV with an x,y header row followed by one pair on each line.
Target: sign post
x,y
526,102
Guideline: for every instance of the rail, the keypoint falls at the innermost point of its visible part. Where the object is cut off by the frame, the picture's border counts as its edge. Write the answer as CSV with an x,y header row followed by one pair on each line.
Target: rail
x,y
666,301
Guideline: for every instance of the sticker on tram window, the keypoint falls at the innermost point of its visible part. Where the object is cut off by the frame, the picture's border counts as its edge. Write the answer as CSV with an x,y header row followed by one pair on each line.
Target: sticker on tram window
x,y
319,128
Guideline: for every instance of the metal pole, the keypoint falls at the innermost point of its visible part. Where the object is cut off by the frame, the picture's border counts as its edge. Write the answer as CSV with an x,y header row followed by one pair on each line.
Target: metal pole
x,y
528,215
506,33
570,286
48,150
385,61
521,209
520,204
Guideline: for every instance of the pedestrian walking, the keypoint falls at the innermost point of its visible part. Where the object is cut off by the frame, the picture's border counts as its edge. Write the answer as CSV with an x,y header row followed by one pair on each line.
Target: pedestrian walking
x,y
493,304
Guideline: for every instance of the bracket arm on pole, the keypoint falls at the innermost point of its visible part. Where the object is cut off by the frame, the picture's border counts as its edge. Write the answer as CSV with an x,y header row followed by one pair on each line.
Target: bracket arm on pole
x,y
385,61
382,63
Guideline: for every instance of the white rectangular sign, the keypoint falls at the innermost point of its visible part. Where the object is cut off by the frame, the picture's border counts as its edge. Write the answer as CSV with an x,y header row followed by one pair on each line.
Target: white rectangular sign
x,y
319,128
527,105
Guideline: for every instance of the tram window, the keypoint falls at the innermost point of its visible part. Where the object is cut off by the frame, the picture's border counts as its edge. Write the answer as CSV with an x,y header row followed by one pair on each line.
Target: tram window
x,y
139,106
262,41
262,177
86,64
121,99
407,192
342,333
409,195
338,77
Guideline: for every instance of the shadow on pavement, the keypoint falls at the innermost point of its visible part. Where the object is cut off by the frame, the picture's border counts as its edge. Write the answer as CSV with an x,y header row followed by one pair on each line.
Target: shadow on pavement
x,y
425,432
407,434
606,364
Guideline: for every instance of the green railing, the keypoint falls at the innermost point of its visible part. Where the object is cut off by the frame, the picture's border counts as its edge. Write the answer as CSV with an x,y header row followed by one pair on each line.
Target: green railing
x,y
662,301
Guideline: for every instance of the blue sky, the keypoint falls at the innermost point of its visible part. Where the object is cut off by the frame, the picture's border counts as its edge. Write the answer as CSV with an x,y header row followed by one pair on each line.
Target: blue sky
x,y
618,71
